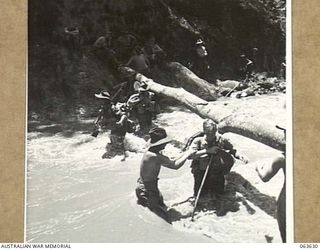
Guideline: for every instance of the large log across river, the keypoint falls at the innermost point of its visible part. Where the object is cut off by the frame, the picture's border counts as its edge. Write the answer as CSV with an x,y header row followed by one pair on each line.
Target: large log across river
x,y
192,83
245,124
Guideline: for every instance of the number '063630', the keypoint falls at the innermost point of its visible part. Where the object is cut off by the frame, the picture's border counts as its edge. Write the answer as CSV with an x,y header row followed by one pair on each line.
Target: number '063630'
x,y
308,245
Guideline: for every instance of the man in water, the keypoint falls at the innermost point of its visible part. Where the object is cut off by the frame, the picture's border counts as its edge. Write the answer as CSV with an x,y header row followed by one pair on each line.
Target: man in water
x,y
104,114
118,132
147,191
143,106
219,160
267,172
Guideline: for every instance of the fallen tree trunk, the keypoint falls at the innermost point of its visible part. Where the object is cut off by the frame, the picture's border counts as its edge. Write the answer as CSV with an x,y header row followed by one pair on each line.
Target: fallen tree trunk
x,y
255,128
192,83
244,124
191,101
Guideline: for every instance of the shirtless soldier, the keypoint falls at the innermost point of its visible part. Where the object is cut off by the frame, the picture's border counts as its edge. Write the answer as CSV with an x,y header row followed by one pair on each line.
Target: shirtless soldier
x,y
147,190
266,172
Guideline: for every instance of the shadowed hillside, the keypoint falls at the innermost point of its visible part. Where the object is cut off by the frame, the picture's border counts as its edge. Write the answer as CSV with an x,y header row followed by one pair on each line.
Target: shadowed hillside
x,y
64,77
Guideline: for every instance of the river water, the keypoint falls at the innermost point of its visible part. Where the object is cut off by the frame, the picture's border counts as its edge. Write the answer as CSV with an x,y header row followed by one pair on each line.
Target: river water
x,y
73,195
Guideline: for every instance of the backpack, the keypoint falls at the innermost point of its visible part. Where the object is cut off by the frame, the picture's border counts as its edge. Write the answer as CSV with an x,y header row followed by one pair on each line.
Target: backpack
x,y
224,160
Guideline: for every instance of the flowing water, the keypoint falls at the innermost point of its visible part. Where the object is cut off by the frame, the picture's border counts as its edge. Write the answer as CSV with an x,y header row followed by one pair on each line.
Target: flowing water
x,y
73,195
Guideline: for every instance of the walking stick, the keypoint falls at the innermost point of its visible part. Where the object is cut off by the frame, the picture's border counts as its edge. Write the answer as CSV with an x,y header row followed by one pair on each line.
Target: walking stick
x,y
202,183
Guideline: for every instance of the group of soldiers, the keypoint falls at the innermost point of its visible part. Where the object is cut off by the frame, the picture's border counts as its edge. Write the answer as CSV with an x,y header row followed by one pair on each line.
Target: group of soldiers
x,y
201,66
212,157
127,50
131,103
133,115
212,154
130,107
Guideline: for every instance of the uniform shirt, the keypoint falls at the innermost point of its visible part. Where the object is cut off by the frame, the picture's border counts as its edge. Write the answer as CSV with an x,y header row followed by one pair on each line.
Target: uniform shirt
x,y
141,105
151,51
144,105
138,62
119,130
201,143
104,114
201,51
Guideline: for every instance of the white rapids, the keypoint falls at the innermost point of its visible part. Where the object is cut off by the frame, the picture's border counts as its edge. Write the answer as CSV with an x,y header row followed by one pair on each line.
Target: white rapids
x,y
73,195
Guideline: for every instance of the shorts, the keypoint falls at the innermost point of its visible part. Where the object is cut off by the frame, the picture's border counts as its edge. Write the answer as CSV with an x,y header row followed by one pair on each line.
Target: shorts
x,y
149,196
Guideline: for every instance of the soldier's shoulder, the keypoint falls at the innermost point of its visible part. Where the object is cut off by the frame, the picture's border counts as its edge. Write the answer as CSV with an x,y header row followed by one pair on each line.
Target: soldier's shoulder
x,y
222,138
197,140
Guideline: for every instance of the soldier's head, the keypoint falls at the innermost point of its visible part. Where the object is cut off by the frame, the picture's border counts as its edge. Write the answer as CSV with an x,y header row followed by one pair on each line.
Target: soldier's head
x,y
158,139
210,129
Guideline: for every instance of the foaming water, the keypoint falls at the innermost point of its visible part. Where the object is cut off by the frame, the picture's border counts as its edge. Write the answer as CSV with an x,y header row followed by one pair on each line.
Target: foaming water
x,y
73,195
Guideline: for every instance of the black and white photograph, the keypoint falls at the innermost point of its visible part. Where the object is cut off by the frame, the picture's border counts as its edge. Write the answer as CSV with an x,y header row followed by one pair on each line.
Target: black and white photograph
x,y
158,121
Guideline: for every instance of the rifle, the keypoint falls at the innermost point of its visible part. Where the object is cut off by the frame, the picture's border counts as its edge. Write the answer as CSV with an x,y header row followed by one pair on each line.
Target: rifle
x,y
119,85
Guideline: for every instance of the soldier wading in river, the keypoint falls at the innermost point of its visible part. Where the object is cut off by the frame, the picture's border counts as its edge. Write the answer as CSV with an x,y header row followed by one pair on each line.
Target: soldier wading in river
x,y
147,191
215,152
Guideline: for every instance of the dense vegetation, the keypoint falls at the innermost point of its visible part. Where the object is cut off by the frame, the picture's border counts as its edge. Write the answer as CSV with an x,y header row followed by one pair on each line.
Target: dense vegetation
x,y
61,79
